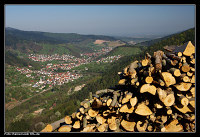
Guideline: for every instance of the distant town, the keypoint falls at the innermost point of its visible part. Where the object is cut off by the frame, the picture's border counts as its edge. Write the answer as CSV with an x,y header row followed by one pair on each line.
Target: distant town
x,y
49,75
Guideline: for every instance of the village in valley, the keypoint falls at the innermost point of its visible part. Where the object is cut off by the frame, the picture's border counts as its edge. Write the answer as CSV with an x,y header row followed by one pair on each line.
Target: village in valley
x,y
58,73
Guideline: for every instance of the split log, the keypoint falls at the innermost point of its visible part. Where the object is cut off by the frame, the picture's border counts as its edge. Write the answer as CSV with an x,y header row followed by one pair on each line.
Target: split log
x,y
68,120
100,119
148,88
158,105
92,113
166,96
192,61
164,119
192,91
126,108
106,113
133,101
122,82
89,128
103,127
141,126
193,79
77,124
183,86
127,125
143,110
65,128
189,50
174,126
109,102
168,78
189,74
127,97
79,116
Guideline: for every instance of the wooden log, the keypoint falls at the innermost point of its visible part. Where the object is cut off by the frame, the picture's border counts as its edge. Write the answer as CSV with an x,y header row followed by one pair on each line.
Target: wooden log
x,y
100,119
185,67
68,120
77,124
79,116
81,109
127,97
173,56
84,121
152,117
65,128
132,69
96,103
179,54
145,62
106,113
174,126
168,110
148,88
103,127
168,78
183,109
141,126
158,105
114,100
164,119
126,108
161,82
150,128
127,125
122,82
109,102
189,50
192,91
193,79
86,104
174,71
92,113
51,127
149,79
183,100
164,62
143,110
158,60
166,96
183,86
192,69
192,61
183,77
134,80
89,128
133,101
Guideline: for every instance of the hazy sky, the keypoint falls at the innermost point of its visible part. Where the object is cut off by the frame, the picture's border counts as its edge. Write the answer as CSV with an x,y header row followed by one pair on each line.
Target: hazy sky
x,y
101,19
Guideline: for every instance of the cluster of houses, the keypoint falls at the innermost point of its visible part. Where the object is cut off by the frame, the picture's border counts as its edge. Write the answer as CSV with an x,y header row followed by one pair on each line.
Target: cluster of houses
x,y
109,59
49,74
43,57
97,52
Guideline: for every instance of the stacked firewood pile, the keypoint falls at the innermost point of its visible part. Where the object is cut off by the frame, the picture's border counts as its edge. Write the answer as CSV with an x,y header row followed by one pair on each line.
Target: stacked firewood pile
x,y
156,94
